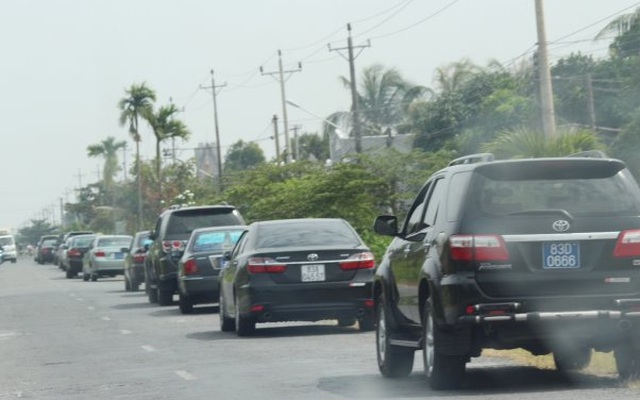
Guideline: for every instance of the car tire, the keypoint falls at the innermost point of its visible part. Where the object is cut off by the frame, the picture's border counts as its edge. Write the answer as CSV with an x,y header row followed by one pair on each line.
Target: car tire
x,y
152,294
393,361
367,323
69,274
627,362
227,324
346,321
185,304
443,371
134,286
165,297
94,277
245,325
127,285
85,277
572,359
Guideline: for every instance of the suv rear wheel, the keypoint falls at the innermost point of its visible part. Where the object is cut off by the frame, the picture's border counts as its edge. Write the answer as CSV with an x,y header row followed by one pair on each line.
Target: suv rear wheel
x,y
627,361
443,371
572,359
393,361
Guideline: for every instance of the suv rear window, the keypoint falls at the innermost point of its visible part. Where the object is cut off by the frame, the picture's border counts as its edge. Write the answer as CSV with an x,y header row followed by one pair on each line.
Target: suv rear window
x,y
578,190
184,222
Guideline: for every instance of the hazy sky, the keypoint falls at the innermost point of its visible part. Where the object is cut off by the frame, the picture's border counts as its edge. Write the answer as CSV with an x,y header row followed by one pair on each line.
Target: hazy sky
x,y
64,64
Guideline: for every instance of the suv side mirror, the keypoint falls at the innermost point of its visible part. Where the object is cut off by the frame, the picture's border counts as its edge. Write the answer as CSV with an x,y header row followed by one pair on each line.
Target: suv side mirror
x,y
153,235
386,225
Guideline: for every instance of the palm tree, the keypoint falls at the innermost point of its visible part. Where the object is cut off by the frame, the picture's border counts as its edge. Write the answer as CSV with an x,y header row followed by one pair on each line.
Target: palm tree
x,y
107,149
138,100
383,100
451,76
165,127
627,30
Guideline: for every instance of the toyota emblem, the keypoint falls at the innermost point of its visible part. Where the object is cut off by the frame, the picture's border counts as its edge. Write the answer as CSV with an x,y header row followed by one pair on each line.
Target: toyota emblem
x,y
312,257
561,225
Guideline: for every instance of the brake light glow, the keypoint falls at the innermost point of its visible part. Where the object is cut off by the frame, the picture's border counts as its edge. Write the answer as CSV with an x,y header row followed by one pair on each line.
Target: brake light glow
x,y
73,253
628,244
265,265
478,248
363,260
99,253
139,258
166,246
190,267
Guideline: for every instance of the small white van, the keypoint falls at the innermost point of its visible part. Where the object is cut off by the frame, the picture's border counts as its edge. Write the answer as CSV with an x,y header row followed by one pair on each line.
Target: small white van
x,y
10,252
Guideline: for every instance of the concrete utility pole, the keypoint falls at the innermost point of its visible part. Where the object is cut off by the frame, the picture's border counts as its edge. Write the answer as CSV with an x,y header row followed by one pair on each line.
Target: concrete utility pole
x,y
546,91
590,104
281,78
274,120
296,147
214,90
357,130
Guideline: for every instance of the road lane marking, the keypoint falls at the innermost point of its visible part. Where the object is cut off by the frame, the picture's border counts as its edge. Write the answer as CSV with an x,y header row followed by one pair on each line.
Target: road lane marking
x,y
106,318
125,332
186,376
91,308
148,348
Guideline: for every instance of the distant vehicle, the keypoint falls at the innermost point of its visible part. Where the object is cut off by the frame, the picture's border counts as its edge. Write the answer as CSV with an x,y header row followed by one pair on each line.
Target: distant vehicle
x,y
173,229
45,251
10,252
540,254
105,257
77,247
200,265
297,270
134,261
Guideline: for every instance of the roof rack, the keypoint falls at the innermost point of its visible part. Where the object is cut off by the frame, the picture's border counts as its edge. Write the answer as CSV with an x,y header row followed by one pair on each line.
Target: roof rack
x,y
472,159
589,154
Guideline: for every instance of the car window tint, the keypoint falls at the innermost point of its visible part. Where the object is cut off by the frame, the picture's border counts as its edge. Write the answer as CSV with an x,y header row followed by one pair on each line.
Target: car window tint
x,y
113,242
82,242
49,243
141,239
433,204
317,233
414,220
181,223
216,241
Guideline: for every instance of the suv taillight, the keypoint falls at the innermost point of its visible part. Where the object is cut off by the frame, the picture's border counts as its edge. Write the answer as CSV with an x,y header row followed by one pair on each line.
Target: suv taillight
x,y
358,261
478,248
628,244
265,265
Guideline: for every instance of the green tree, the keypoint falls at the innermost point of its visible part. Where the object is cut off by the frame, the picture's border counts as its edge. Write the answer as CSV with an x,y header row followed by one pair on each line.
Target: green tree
x,y
452,76
107,149
523,143
165,126
313,146
242,156
383,97
627,29
137,102
30,234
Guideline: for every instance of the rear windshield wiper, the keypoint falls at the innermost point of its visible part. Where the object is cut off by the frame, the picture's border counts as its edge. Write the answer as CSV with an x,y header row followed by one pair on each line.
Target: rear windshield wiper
x,y
549,211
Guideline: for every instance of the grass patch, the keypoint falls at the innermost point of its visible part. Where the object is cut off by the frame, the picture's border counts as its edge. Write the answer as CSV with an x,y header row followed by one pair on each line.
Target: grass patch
x,y
601,363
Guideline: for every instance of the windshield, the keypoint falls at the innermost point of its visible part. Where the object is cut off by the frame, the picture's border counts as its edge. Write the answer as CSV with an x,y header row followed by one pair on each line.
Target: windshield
x,y
305,234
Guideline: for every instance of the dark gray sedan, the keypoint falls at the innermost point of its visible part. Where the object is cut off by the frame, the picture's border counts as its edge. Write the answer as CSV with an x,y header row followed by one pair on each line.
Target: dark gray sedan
x,y
199,266
297,270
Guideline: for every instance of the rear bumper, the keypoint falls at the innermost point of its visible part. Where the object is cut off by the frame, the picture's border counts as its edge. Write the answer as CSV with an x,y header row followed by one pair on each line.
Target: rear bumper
x,y
307,302
205,287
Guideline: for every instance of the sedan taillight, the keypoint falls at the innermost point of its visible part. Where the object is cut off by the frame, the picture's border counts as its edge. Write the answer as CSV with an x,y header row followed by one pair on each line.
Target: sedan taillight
x,y
73,253
190,267
99,253
363,260
628,244
264,265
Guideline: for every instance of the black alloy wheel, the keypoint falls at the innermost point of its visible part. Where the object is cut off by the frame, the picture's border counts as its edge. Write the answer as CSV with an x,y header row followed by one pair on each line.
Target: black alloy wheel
x,y
164,296
245,325
185,304
227,324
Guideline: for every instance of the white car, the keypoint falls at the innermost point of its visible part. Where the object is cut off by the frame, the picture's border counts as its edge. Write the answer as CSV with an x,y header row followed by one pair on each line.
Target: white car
x,y
9,250
105,256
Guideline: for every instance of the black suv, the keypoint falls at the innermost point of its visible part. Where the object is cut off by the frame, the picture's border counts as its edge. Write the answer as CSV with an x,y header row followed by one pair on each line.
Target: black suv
x,y
541,254
170,235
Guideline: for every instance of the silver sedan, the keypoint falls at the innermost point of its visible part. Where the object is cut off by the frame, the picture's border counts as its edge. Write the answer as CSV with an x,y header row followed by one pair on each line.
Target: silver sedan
x,y
105,257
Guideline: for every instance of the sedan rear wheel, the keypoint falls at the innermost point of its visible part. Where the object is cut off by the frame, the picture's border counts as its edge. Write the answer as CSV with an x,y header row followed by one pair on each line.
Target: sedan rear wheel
x,y
245,325
85,276
185,304
127,285
226,324
443,371
165,297
393,361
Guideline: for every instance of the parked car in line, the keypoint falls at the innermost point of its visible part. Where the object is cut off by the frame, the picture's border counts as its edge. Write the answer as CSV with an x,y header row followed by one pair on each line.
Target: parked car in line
x,y
297,270
172,230
134,258
105,257
9,250
77,247
45,250
64,243
200,265
540,254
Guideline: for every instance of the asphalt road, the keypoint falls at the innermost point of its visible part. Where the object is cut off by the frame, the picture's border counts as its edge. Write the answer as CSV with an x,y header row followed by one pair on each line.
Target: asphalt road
x,y
69,339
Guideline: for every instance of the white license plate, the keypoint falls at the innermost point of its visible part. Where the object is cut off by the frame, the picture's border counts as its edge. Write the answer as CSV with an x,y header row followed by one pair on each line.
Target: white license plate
x,y
312,273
